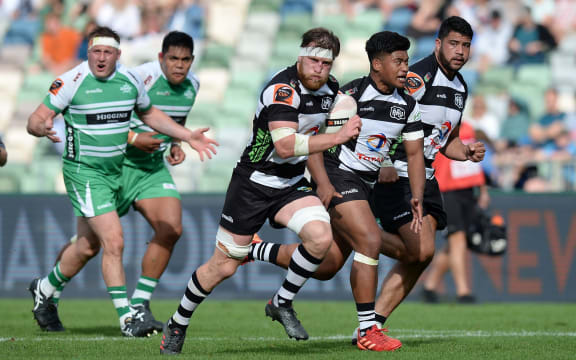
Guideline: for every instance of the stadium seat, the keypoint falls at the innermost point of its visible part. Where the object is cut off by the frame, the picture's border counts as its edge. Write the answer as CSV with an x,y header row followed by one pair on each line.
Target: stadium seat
x,y
265,5
500,77
535,74
399,20
533,96
216,55
424,46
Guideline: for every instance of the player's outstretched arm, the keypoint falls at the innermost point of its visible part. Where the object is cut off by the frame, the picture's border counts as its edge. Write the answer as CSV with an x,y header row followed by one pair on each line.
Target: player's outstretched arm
x,y
41,123
162,123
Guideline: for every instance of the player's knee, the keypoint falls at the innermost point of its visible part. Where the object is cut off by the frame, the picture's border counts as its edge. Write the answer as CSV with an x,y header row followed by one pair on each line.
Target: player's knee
x,y
369,246
317,240
168,234
326,273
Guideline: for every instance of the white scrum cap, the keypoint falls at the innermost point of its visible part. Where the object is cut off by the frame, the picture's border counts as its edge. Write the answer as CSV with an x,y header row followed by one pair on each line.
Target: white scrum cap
x,y
343,109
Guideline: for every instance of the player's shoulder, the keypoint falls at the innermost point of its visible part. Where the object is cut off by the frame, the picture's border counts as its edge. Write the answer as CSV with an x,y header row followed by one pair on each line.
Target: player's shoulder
x,y
356,87
194,79
130,74
70,79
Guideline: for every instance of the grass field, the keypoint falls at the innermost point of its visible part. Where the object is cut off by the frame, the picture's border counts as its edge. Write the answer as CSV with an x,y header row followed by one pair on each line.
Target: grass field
x,y
239,330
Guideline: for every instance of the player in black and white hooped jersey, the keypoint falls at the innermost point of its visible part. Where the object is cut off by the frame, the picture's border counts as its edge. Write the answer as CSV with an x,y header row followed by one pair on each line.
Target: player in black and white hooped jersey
x,y
441,92
268,183
388,115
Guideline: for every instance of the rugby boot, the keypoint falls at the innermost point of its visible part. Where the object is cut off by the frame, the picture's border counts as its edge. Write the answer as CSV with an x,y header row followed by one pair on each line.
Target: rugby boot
x,y
143,311
45,311
287,317
172,340
135,327
375,340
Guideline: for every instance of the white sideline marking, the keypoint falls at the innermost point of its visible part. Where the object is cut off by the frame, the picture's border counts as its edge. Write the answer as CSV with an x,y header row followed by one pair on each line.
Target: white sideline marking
x,y
400,333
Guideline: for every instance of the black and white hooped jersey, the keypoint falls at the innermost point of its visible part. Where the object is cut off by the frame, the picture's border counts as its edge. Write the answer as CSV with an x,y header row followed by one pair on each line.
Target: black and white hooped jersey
x,y
386,119
284,98
442,102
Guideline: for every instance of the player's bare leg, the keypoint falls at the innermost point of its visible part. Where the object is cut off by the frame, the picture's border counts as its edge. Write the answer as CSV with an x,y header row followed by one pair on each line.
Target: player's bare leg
x,y
404,275
164,214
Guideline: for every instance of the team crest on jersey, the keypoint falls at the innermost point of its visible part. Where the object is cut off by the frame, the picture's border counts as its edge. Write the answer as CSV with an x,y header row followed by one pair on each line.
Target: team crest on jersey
x,y
188,94
283,94
56,85
396,112
126,89
375,142
326,103
458,101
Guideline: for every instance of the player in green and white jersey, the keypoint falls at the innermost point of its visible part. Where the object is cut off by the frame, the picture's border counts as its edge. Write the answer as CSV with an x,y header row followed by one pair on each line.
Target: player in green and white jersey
x,y
146,183
97,99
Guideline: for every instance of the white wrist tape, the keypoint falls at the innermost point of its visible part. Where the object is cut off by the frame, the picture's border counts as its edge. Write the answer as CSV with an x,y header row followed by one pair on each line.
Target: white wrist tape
x,y
225,243
106,41
316,52
300,140
365,259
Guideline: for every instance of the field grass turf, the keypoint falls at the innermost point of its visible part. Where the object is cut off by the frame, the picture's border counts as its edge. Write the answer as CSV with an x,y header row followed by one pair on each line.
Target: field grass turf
x,y
239,330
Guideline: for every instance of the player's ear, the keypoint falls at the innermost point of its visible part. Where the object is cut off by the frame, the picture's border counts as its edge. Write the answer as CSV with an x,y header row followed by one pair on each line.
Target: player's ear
x,y
192,61
160,56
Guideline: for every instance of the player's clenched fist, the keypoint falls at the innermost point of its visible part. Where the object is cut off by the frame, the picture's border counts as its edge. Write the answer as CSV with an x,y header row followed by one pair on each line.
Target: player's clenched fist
x,y
350,130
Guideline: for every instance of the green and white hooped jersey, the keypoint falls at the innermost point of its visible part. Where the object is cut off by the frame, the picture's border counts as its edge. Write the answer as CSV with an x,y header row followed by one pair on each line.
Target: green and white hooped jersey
x,y
175,100
97,114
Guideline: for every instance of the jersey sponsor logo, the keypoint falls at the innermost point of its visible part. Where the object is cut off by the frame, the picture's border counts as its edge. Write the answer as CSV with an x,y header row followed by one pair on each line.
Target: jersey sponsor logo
x,y
326,103
228,218
283,94
396,112
293,83
126,89
413,82
336,122
369,158
260,145
427,77
445,129
310,103
108,118
56,86
94,91
441,96
459,101
304,188
375,142
70,152
312,131
163,93
367,109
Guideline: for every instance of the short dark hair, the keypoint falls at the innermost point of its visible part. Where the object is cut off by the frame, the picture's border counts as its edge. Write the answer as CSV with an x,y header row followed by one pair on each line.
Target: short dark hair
x,y
178,39
104,31
386,42
456,24
322,37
